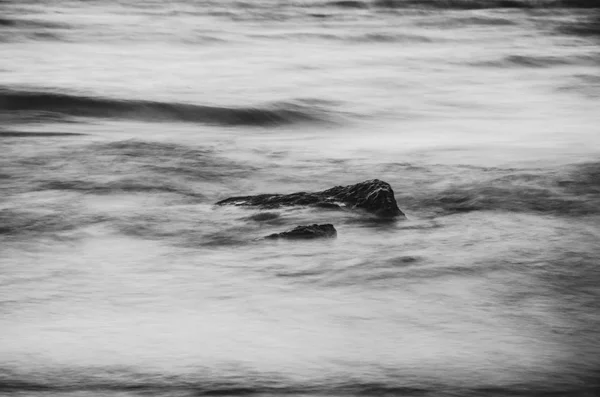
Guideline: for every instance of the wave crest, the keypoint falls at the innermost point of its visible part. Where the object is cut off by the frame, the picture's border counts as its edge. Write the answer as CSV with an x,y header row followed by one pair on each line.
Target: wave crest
x,y
281,113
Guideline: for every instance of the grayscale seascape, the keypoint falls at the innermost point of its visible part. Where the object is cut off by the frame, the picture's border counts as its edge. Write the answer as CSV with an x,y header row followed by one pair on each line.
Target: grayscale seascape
x,y
124,123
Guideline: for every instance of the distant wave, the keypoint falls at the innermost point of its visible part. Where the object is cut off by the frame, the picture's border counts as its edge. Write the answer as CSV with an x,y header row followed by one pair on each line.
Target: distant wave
x,y
586,27
534,61
349,4
391,38
88,106
463,4
16,29
461,20
26,134
29,23
483,4
373,37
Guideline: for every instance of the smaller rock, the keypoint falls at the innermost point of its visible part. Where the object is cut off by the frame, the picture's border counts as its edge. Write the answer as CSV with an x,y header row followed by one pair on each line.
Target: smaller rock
x,y
307,232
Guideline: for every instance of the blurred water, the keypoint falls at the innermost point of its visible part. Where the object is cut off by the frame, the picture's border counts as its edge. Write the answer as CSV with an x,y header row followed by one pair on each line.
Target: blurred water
x,y
122,123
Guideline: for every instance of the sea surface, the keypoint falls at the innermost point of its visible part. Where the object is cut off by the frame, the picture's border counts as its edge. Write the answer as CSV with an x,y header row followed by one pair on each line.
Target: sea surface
x,y
123,122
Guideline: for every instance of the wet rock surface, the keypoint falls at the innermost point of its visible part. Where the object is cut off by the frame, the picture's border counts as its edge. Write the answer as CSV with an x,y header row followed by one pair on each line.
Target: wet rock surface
x,y
374,196
306,232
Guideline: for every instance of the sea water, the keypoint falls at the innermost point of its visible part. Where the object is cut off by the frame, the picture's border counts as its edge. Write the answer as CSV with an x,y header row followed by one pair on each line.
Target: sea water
x,y
123,122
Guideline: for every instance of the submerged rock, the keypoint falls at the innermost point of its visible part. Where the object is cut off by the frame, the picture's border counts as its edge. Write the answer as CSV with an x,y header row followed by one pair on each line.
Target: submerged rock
x,y
374,196
307,232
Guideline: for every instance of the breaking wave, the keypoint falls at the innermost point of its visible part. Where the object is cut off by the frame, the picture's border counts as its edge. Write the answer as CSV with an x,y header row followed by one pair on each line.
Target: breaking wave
x,y
19,101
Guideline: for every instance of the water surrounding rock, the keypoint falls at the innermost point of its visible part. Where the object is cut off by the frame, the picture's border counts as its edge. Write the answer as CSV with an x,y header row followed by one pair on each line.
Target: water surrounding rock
x,y
307,232
264,217
349,4
373,196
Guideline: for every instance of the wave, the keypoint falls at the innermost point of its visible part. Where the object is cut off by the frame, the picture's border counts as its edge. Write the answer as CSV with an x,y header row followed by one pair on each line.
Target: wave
x,y
7,22
374,37
14,222
533,61
583,84
15,29
450,4
26,134
123,381
485,4
138,166
120,186
575,192
30,23
19,101
588,26
126,170
349,4
391,38
460,21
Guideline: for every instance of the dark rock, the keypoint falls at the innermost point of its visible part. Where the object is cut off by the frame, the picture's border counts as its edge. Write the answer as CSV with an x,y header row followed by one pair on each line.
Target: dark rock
x,y
374,196
306,232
